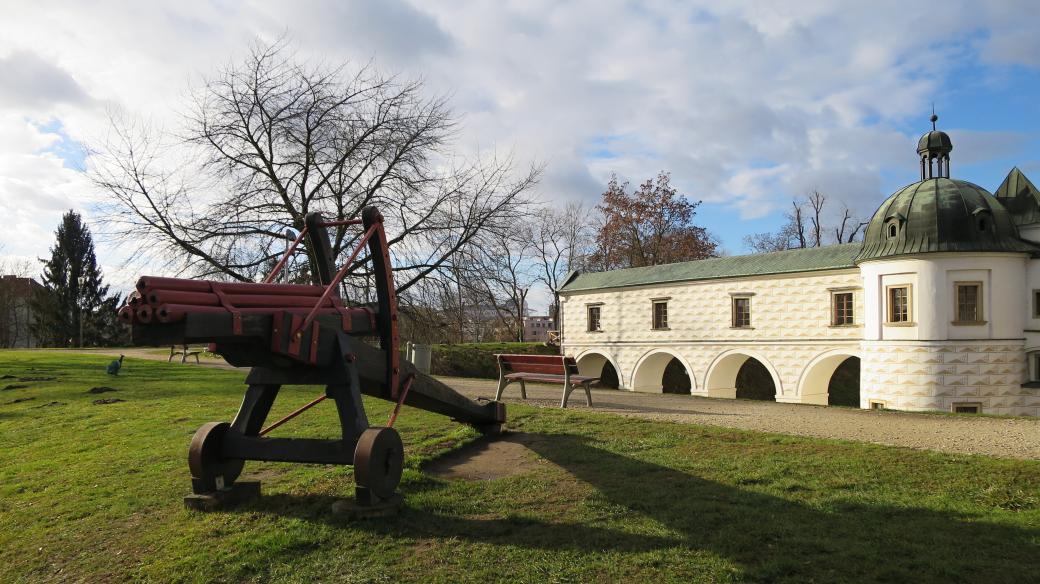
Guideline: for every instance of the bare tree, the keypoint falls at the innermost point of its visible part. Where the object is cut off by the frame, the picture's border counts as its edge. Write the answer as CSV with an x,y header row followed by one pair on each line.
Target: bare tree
x,y
272,139
850,224
806,226
816,200
501,273
561,240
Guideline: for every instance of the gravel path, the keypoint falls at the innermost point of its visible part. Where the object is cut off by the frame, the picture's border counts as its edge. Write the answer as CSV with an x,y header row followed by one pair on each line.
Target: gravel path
x,y
1004,437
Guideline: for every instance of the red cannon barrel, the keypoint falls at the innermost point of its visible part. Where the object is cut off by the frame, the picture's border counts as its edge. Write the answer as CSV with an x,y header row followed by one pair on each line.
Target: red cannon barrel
x,y
146,284
168,313
160,297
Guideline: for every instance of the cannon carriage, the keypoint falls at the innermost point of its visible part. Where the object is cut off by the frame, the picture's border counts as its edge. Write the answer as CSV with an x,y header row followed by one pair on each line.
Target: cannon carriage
x,y
302,334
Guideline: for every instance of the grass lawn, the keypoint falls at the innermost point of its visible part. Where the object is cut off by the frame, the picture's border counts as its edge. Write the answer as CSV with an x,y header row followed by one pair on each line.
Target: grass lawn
x,y
93,493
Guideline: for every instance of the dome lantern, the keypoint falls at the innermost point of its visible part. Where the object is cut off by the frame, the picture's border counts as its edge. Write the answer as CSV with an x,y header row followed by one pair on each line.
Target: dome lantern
x,y
935,146
940,214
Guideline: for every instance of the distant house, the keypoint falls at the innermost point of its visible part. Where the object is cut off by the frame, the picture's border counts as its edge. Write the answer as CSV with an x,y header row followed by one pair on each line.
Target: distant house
x,y
16,312
536,328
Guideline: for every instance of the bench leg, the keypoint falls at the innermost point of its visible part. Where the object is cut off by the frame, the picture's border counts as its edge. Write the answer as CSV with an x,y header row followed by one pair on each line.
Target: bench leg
x,y
588,395
567,389
502,383
197,362
523,390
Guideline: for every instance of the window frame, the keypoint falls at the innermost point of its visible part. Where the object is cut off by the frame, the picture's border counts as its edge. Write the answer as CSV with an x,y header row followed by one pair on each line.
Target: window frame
x,y
980,317
733,311
834,307
909,305
599,318
972,404
654,303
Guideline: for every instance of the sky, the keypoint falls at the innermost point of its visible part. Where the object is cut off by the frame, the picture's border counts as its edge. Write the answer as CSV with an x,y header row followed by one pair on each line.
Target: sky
x,y
746,104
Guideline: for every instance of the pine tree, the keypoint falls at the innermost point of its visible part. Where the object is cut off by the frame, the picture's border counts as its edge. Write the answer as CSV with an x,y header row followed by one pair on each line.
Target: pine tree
x,y
74,308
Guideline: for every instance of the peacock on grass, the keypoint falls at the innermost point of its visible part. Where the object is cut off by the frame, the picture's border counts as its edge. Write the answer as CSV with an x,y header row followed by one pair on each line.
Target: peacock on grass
x,y
114,367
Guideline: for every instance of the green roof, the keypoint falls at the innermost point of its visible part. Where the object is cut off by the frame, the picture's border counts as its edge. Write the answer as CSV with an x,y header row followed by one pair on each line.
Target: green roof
x,y
831,257
1021,198
941,214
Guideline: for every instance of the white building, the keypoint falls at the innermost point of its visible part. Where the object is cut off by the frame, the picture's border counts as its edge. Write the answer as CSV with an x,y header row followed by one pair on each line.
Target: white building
x,y
939,307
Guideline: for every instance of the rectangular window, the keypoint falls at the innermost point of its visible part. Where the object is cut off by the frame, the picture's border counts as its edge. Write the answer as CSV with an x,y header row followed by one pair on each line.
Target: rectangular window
x,y
877,404
741,312
594,319
899,304
967,408
660,315
969,302
1036,303
842,308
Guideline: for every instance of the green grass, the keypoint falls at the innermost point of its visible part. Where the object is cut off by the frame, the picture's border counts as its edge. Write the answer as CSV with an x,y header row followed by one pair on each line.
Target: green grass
x,y
93,493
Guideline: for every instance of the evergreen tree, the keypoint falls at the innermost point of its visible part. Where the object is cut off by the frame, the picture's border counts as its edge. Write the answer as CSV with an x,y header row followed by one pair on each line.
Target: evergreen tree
x,y
74,308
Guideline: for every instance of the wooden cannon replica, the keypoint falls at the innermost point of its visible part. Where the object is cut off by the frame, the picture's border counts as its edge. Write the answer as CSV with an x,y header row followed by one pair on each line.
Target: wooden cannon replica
x,y
301,334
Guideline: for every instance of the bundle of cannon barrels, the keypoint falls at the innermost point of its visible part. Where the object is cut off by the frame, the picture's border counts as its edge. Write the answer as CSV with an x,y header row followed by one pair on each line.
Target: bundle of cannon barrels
x,y
170,300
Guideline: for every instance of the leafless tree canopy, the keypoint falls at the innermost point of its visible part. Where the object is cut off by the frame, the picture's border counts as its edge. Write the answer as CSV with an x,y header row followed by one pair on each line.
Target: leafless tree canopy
x,y
271,139
806,226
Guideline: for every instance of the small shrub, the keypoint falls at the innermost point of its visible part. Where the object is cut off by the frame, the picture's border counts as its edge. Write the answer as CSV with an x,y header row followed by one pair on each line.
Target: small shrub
x,y
478,359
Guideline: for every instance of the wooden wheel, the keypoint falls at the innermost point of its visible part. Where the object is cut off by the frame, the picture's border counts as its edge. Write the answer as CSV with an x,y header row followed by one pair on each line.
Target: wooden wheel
x,y
209,471
379,461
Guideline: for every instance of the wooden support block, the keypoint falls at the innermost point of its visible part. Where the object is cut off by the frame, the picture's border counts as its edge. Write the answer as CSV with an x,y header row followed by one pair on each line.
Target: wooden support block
x,y
239,492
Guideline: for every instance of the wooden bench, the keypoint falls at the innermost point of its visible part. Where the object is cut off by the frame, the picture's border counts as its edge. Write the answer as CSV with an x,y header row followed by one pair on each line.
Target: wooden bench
x,y
185,351
549,368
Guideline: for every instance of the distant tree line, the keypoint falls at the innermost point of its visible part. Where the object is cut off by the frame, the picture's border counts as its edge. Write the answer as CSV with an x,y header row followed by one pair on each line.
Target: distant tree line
x,y
72,307
806,225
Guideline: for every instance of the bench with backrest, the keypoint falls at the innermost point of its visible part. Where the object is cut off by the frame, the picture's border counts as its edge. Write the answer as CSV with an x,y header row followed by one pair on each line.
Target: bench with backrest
x,y
185,352
547,368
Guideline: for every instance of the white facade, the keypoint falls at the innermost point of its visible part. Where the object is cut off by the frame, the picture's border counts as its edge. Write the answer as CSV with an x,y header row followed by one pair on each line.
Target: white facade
x,y
929,362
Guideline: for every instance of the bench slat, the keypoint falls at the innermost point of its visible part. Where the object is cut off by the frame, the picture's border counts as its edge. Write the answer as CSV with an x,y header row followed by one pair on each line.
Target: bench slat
x,y
547,377
538,359
526,368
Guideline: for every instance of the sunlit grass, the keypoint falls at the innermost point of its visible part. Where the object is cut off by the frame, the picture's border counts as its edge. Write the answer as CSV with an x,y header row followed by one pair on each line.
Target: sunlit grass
x,y
93,493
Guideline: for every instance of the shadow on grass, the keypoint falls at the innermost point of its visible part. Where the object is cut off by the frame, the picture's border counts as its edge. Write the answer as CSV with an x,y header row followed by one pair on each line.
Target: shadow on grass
x,y
769,537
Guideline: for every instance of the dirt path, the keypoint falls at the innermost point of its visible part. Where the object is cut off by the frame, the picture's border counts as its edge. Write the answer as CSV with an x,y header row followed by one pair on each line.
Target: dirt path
x,y
1004,437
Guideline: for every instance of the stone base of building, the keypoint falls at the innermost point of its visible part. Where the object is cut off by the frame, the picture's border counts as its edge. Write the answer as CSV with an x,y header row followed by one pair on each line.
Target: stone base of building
x,y
944,375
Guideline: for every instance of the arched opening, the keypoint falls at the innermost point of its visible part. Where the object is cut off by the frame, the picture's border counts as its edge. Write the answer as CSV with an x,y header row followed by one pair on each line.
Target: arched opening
x,y
608,377
675,379
843,389
831,379
741,375
598,365
662,372
754,381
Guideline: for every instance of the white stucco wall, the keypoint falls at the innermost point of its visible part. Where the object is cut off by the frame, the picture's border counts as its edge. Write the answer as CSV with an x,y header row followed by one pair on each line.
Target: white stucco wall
x,y
790,326
932,278
931,364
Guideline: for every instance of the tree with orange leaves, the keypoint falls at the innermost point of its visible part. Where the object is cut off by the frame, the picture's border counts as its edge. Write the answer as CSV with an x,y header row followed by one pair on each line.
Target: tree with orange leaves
x,y
650,226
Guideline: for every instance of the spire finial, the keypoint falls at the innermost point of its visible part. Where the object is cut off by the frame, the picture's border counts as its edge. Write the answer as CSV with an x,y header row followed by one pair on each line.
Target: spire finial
x,y
934,117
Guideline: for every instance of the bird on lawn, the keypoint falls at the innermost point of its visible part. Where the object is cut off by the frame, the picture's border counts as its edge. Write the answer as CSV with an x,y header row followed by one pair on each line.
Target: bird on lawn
x,y
114,366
